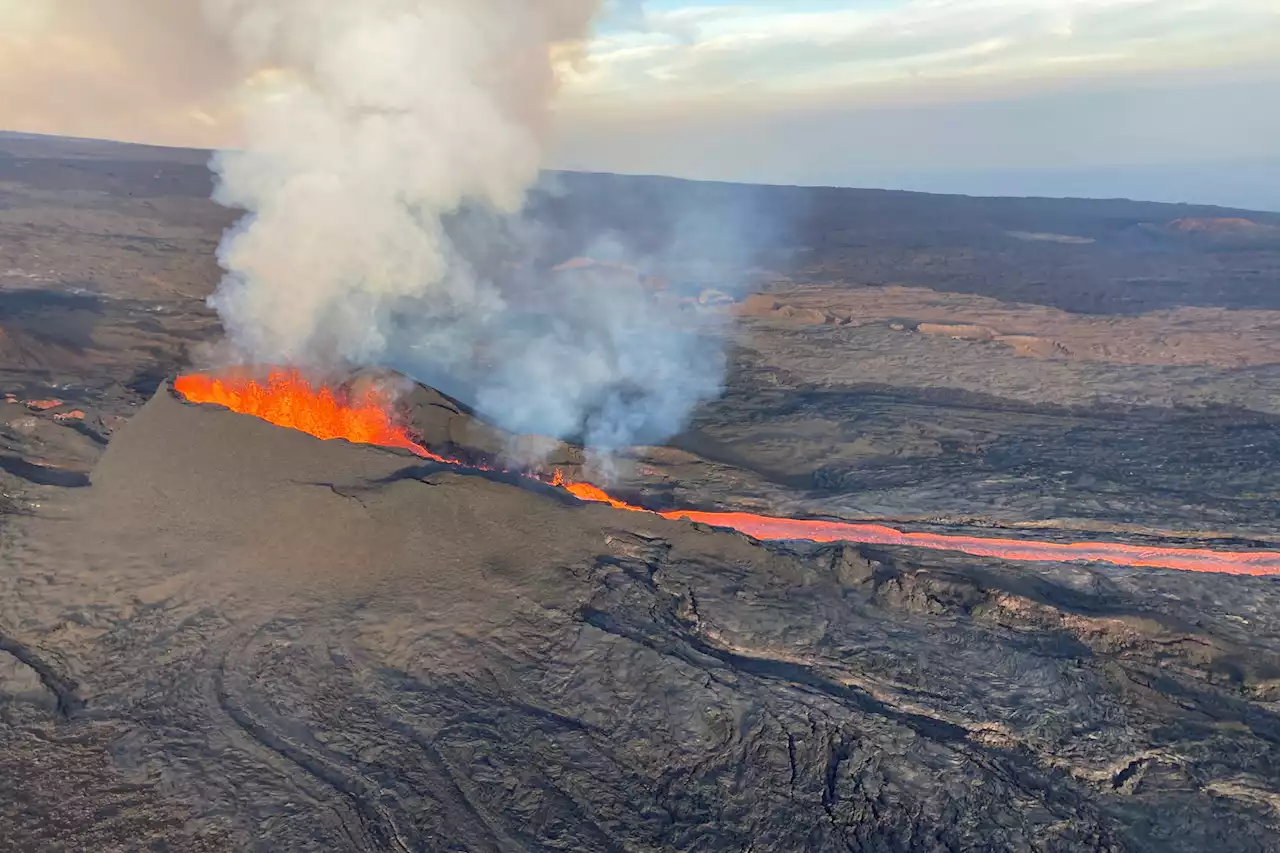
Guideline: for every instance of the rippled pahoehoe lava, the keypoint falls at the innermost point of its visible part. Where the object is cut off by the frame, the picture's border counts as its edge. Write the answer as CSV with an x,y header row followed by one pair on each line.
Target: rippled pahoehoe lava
x,y
288,399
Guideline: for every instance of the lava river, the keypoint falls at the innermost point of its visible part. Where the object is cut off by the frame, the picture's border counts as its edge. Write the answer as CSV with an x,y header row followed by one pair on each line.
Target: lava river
x,y
288,399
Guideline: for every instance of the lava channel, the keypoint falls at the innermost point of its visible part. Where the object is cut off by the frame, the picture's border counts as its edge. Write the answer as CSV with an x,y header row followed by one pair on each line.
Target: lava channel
x,y
286,398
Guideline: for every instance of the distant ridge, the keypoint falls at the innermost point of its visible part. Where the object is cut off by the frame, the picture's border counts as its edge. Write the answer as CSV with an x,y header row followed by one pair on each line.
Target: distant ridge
x,y
23,144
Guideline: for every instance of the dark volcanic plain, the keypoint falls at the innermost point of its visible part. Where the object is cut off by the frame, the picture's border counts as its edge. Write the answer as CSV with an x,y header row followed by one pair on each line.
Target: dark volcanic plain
x,y
216,634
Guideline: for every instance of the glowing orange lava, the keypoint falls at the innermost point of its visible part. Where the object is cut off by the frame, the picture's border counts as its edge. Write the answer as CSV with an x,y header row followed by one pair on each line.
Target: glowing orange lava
x,y
594,494
288,399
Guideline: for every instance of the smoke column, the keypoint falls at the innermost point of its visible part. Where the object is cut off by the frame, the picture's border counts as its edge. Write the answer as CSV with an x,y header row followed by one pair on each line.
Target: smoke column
x,y
369,124
382,151
372,120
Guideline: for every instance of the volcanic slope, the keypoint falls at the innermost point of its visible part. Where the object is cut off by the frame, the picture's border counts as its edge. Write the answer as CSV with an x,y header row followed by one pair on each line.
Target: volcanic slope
x,y
242,637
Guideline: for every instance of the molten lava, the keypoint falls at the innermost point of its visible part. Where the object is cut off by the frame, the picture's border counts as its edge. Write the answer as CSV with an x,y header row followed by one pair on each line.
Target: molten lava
x,y
594,494
288,399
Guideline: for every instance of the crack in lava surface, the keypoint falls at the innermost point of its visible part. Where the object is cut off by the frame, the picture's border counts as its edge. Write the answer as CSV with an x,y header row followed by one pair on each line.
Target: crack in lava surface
x,y
288,399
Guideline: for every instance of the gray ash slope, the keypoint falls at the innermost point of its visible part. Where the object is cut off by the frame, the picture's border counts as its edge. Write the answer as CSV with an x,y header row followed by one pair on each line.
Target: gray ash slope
x,y
243,638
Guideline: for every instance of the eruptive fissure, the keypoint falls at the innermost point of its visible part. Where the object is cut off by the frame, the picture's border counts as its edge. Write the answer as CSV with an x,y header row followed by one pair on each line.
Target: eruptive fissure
x,y
366,415
286,398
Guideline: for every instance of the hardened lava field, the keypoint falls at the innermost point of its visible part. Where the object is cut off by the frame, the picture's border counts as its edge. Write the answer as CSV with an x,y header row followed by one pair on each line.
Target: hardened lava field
x,y
219,633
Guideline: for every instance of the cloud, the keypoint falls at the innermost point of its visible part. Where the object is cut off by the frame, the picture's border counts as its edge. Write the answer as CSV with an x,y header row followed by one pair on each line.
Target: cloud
x,y
1104,136
634,16
128,69
89,67
782,50
749,90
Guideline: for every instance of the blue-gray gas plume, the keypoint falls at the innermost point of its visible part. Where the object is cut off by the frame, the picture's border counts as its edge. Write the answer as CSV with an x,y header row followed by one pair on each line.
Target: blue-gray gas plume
x,y
598,350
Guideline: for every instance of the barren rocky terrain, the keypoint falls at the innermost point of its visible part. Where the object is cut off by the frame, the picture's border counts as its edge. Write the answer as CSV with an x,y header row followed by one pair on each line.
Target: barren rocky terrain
x,y
216,634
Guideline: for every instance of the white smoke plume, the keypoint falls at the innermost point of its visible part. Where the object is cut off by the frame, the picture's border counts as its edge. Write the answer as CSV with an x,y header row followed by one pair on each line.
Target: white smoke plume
x,y
384,152
375,119
379,122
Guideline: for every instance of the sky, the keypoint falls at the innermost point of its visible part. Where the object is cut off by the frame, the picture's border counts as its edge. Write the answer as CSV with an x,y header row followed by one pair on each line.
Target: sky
x,y
1170,100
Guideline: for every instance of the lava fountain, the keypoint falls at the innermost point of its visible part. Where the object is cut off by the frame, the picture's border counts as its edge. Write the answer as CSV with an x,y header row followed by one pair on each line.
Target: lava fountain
x,y
286,398
367,416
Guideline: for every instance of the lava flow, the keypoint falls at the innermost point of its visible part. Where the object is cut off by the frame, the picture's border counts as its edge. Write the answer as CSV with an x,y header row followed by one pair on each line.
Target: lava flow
x,y
288,399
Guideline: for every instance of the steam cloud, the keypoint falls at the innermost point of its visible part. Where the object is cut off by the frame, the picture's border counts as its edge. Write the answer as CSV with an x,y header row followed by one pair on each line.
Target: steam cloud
x,y
388,148
381,123
378,118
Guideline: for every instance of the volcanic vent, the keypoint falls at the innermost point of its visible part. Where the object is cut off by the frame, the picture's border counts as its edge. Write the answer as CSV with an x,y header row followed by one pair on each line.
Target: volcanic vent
x,y
199,478
363,411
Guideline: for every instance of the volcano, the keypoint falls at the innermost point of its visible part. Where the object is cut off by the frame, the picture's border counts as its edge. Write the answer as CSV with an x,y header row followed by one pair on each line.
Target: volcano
x,y
218,633
322,644
366,415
